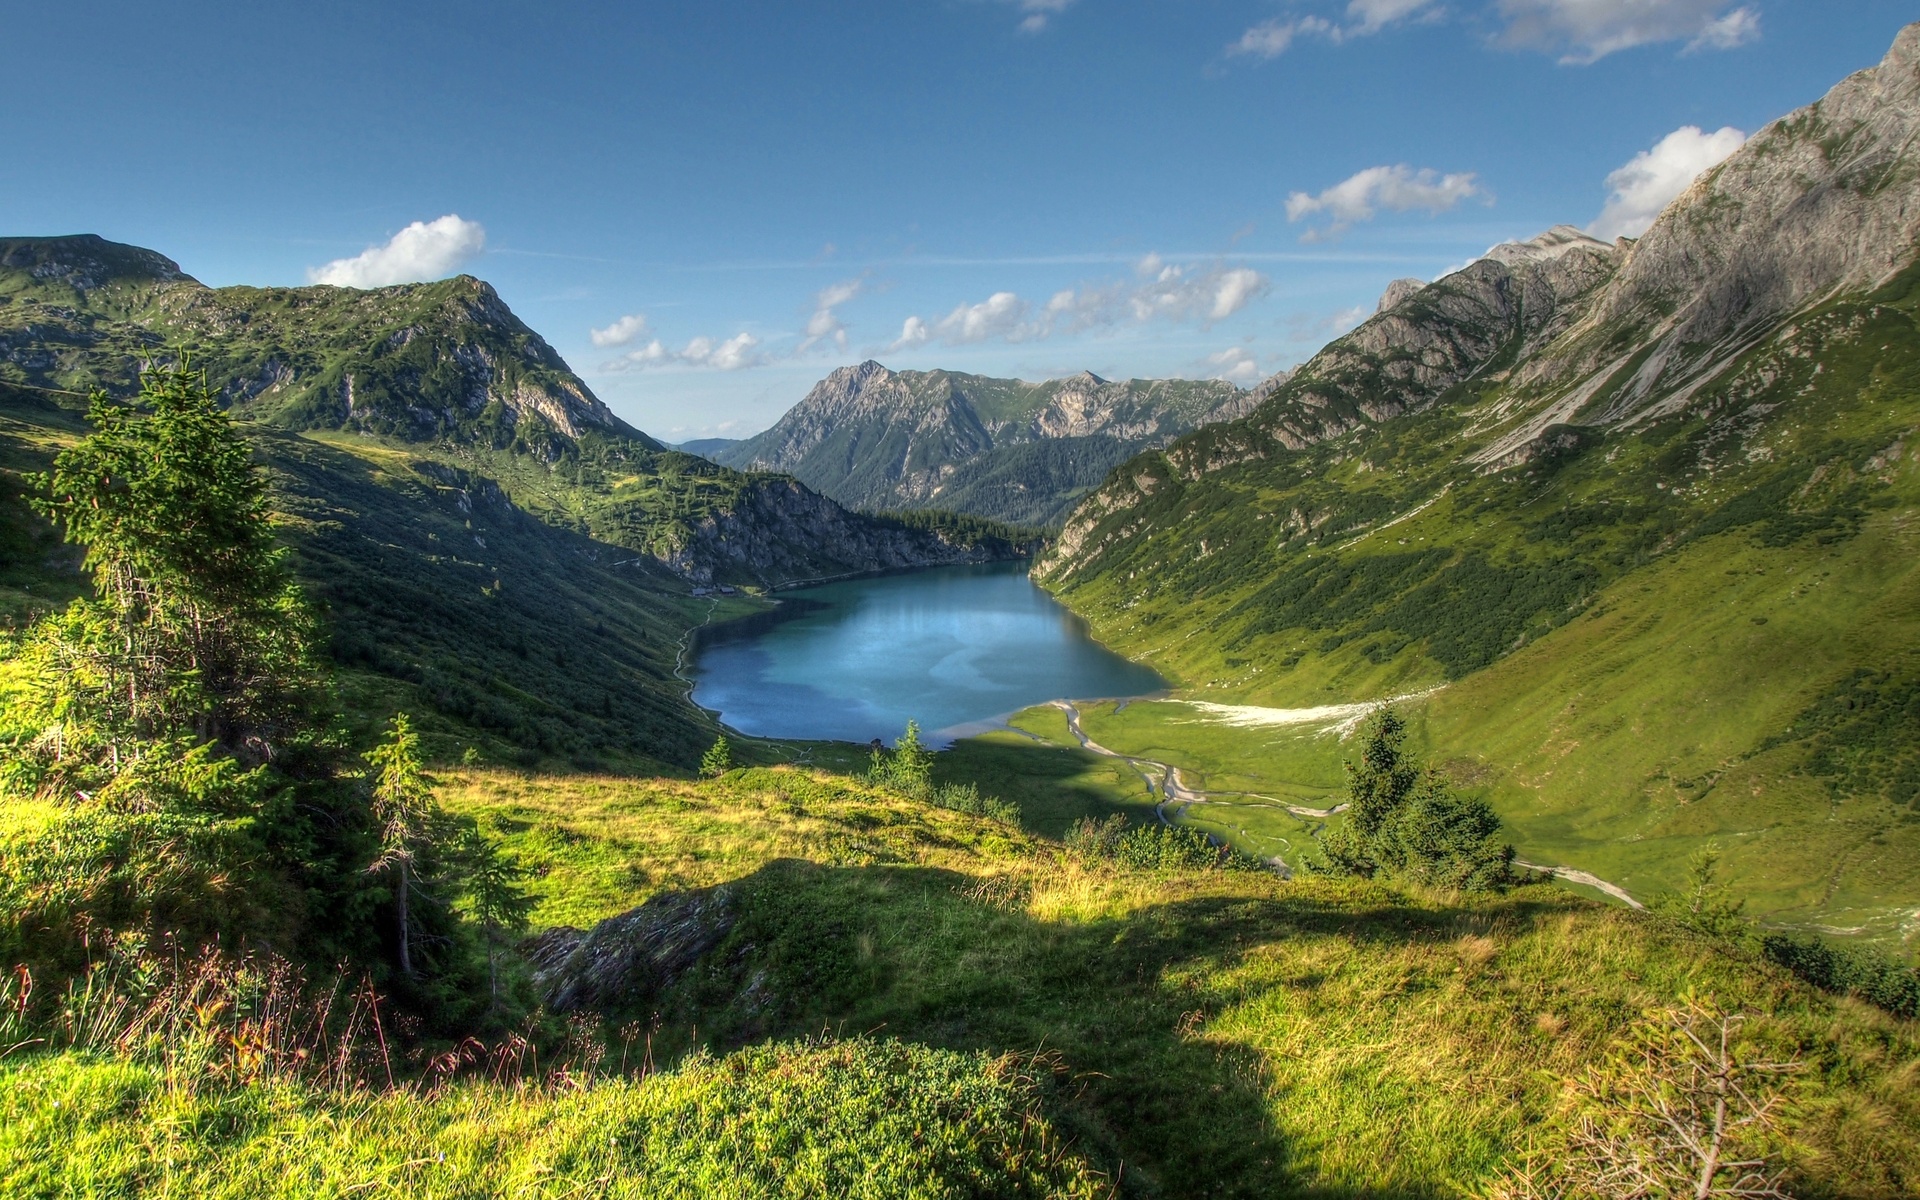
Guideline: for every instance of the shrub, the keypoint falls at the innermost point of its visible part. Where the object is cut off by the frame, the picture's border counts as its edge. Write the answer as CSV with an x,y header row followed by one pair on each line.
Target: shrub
x,y
909,769
1153,847
1851,970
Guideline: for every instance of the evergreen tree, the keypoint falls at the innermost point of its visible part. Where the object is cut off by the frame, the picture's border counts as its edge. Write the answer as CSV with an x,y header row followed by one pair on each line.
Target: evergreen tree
x,y
405,814
908,769
176,713
718,759
1406,822
196,628
1705,903
495,899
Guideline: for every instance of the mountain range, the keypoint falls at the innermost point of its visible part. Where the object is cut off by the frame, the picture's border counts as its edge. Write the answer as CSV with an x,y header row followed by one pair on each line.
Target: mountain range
x,y
1025,453
476,521
1646,514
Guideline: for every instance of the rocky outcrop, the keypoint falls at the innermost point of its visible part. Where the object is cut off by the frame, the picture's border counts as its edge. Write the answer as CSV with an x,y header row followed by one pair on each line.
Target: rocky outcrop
x,y
625,961
1397,291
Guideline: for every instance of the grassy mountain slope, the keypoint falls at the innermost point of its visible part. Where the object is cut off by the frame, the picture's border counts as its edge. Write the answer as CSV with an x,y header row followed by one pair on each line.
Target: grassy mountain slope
x,y
441,597
1645,513
446,371
490,542
1205,1034
1020,452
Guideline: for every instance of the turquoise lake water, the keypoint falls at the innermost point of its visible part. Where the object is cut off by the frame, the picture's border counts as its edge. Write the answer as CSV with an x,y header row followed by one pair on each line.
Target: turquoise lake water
x,y
954,648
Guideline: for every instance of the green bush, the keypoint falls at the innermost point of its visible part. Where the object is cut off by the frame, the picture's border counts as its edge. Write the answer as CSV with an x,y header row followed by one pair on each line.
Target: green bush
x,y
909,770
1153,847
1850,970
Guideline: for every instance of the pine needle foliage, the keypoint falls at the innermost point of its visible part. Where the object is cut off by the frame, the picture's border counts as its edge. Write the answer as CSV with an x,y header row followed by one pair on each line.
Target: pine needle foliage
x,y
196,627
1405,822
718,759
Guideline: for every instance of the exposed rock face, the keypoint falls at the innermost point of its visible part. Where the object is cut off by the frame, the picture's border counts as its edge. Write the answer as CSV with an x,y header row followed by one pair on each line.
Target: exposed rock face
x,y
1824,201
1397,291
1579,334
625,961
879,439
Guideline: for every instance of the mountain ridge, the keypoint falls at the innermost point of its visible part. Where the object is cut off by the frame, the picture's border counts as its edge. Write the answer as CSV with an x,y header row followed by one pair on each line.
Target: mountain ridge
x,y
877,439
445,368
1636,519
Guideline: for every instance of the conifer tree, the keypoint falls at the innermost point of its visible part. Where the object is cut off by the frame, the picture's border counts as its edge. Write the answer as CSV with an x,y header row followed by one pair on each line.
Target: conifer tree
x,y
196,628
1406,822
495,899
405,813
718,759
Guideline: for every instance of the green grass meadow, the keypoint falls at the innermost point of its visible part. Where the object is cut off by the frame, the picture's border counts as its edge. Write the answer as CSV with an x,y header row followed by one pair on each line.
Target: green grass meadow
x,y
999,1019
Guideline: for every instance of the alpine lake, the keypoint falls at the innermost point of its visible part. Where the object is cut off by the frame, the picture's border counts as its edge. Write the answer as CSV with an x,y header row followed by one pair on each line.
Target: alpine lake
x,y
958,649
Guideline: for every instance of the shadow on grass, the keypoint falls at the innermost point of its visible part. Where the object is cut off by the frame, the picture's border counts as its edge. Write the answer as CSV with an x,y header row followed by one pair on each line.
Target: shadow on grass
x,y
936,957
1053,785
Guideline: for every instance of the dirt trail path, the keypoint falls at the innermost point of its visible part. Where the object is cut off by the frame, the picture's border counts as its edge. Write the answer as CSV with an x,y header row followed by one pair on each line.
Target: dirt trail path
x,y
1165,782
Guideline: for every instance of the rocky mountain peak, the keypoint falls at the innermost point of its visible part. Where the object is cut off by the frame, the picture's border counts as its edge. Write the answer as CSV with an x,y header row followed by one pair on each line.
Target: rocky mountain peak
x,y
1817,203
1397,291
1555,243
86,262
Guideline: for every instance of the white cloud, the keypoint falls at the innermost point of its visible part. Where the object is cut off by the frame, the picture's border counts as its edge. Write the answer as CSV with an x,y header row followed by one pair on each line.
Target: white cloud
x,y
1396,189
1647,183
1236,364
1039,13
1272,38
1585,31
1347,318
913,332
1001,315
1736,29
1371,16
620,332
1160,291
825,322
423,250
735,353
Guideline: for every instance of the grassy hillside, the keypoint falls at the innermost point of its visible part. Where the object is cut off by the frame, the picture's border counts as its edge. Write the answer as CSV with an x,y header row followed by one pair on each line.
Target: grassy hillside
x,y
521,640
1698,629
1210,1033
858,1119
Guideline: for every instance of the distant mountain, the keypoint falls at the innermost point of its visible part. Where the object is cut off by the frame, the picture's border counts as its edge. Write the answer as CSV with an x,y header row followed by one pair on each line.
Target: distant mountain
x,y
444,369
706,447
490,542
875,439
1648,509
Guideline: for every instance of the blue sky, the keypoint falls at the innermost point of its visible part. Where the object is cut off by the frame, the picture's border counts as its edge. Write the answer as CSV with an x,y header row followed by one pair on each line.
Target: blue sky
x,y
740,196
